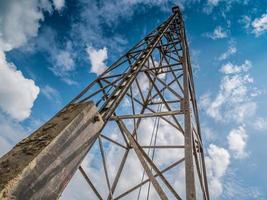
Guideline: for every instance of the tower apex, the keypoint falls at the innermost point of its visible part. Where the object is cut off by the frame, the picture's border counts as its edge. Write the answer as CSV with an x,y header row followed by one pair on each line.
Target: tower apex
x,y
175,9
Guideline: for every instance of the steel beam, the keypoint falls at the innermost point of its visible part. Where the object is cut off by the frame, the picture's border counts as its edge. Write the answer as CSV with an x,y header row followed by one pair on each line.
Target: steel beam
x,y
146,115
41,165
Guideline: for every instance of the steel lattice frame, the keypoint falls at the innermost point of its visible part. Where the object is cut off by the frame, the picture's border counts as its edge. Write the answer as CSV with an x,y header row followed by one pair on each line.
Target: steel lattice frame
x,y
144,121
163,58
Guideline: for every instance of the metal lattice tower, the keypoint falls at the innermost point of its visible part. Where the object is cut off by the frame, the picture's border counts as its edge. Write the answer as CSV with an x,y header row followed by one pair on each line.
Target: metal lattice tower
x,y
136,125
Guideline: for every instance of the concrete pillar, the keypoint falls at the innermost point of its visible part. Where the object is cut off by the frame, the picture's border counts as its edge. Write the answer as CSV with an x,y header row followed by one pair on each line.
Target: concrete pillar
x,y
41,165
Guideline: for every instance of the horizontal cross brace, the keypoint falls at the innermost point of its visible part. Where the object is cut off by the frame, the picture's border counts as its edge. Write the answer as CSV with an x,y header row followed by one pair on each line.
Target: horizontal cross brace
x,y
160,102
158,114
164,147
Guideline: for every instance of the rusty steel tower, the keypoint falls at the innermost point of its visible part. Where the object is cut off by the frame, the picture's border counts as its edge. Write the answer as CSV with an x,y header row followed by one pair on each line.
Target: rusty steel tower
x,y
133,133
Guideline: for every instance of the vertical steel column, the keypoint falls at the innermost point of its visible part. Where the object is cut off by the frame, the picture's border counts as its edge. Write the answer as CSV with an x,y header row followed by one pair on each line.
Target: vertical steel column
x,y
169,100
188,138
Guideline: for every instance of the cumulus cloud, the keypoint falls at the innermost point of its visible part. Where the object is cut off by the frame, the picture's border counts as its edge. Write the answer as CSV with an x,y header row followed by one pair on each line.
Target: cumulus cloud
x,y
218,160
113,10
230,68
64,63
234,100
226,5
260,25
61,55
261,124
97,58
143,82
237,141
89,28
218,33
65,60
166,135
230,51
208,134
51,93
235,188
17,93
213,2
19,21
59,4
11,133
217,163
246,21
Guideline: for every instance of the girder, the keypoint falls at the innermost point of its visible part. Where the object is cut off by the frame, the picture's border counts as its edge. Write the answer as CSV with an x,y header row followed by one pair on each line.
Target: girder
x,y
142,140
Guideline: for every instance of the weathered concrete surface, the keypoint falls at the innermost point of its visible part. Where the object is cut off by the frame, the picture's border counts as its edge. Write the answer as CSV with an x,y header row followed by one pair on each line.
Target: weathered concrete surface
x,y
41,165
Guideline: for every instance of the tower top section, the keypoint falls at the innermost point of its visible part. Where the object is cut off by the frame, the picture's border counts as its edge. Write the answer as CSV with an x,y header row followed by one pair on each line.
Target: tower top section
x,y
175,9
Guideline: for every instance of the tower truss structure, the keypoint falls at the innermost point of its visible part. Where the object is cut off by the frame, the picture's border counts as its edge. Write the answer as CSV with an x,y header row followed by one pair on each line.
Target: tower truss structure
x,y
135,127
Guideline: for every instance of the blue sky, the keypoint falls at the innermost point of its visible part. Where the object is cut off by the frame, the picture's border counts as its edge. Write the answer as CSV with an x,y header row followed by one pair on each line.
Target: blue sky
x,y
50,50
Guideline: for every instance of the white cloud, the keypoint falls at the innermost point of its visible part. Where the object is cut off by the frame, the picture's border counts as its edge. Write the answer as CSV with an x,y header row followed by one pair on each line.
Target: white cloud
x,y
11,132
113,10
92,15
246,20
226,5
230,68
52,94
243,111
195,57
217,163
17,93
19,21
230,51
257,26
237,141
60,55
260,25
234,100
59,4
97,58
208,134
261,124
64,63
218,160
235,188
167,135
89,28
218,33
213,2
162,158
143,82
